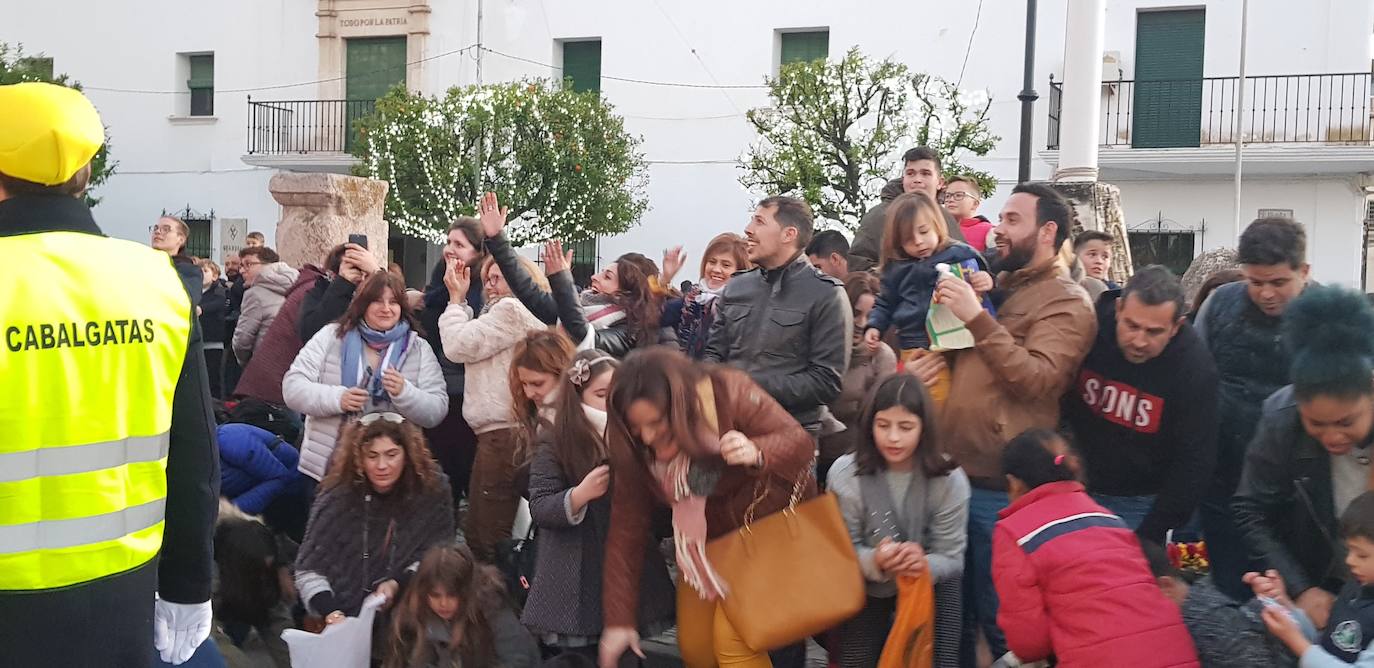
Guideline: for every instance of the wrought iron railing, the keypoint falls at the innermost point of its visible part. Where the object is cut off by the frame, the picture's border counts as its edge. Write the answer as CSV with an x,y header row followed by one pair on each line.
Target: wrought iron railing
x,y
1278,109
279,127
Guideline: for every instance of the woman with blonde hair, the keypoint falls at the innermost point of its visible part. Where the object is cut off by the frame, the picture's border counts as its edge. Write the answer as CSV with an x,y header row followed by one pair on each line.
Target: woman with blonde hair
x,y
486,345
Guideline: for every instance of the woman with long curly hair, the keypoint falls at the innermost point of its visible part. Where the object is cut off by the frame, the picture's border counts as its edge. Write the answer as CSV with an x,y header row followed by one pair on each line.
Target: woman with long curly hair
x,y
455,614
383,503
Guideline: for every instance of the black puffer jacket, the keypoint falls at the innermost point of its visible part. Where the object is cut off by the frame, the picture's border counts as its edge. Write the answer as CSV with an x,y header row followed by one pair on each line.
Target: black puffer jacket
x,y
1251,365
790,329
1284,507
214,306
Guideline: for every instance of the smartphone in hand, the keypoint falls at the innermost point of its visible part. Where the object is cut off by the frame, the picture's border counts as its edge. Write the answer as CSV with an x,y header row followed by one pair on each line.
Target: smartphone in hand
x,y
360,239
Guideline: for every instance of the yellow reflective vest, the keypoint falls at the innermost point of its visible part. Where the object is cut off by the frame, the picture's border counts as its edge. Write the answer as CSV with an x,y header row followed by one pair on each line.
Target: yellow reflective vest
x,y
93,333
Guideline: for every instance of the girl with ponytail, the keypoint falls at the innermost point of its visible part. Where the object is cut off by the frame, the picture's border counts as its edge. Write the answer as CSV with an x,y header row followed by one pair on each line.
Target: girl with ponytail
x,y
1071,578
1311,453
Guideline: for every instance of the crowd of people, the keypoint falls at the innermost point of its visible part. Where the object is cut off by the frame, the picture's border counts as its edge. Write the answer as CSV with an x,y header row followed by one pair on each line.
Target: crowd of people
x,y
991,411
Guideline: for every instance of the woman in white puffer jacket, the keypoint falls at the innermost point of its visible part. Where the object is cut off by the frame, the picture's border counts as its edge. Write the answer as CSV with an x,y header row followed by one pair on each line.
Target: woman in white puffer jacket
x,y
371,360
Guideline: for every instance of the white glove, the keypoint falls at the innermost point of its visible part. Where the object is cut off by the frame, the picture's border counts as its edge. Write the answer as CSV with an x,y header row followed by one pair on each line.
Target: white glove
x,y
179,628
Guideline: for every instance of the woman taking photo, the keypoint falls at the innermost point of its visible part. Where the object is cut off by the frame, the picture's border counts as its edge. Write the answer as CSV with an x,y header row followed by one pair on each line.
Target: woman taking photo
x,y
370,360
906,505
486,346
1311,453
664,451
569,481
382,505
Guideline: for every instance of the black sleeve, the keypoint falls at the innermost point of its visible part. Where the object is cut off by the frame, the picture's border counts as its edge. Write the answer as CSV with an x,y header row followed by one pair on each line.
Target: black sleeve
x,y
616,340
1264,496
569,311
192,484
540,303
672,312
1195,454
322,306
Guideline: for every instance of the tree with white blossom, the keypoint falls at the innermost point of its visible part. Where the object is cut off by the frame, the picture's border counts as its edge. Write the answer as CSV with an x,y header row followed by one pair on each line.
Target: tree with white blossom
x,y
834,132
561,160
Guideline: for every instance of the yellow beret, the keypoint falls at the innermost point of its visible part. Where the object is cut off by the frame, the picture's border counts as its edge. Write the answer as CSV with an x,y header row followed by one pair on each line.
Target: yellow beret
x,y
47,132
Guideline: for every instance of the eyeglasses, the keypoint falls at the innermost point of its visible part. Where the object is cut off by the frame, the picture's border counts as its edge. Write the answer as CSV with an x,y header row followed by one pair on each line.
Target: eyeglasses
x,y
957,196
250,263
160,229
393,418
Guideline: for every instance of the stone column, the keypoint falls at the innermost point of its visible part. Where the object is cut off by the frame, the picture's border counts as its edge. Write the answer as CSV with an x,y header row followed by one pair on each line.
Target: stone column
x,y
1097,204
1080,117
320,210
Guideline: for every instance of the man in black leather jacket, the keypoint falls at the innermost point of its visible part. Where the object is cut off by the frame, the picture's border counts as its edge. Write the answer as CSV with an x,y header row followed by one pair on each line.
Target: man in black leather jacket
x,y
785,323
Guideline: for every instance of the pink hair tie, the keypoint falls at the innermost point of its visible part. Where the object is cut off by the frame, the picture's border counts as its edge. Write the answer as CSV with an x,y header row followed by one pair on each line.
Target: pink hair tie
x,y
1058,459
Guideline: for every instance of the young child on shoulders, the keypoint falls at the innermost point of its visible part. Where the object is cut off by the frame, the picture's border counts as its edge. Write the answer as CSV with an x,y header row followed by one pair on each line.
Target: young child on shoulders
x,y
1070,576
915,242
1348,639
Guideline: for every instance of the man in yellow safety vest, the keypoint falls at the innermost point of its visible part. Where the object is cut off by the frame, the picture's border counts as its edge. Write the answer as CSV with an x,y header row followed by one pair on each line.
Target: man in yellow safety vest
x,y
109,471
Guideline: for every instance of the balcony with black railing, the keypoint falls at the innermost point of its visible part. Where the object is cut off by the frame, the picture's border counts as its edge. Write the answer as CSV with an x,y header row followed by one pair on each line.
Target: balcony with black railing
x,y
304,134
1292,109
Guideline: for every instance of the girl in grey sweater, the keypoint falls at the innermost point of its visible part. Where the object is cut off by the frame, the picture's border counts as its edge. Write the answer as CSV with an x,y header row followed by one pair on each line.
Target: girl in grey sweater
x,y
906,505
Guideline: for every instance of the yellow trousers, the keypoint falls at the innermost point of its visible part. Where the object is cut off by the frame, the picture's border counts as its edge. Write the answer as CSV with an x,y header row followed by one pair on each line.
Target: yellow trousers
x,y
706,638
940,390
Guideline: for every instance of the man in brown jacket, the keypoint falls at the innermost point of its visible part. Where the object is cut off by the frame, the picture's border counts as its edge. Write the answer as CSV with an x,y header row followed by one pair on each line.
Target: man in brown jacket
x,y
1012,379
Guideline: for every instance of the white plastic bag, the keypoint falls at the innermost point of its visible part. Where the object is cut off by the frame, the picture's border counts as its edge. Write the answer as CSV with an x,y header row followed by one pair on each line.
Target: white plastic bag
x,y
520,528
347,644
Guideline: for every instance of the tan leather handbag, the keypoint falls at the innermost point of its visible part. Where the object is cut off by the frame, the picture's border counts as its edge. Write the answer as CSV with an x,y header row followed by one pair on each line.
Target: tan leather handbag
x,y
791,575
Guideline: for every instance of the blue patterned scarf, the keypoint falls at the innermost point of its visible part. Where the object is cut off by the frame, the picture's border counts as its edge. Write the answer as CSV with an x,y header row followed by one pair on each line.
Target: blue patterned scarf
x,y
395,341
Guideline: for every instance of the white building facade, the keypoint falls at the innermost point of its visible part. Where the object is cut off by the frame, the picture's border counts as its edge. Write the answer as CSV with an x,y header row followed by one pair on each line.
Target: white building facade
x,y
671,69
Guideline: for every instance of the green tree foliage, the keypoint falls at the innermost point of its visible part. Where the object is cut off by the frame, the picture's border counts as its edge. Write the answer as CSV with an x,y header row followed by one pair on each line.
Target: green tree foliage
x,y
562,161
835,131
16,67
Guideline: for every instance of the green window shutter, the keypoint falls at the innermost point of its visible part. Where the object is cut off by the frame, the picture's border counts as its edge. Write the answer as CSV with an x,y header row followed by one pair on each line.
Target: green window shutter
x,y
202,84
1167,106
202,72
374,66
582,65
800,47
39,67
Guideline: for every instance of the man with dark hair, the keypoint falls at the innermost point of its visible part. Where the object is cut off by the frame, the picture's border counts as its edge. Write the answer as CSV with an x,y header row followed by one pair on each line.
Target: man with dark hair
x,y
1239,323
829,252
268,279
786,324
1013,377
1143,410
1094,251
920,173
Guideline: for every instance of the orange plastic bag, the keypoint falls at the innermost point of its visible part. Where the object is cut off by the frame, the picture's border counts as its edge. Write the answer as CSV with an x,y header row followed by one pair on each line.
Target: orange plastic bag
x,y
911,643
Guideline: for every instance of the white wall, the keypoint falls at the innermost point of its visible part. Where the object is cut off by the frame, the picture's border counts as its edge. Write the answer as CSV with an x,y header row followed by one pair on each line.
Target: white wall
x,y
133,46
119,45
1331,210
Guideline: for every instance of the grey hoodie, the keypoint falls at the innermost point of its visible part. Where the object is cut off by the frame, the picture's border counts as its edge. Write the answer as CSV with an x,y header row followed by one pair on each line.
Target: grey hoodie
x,y
260,305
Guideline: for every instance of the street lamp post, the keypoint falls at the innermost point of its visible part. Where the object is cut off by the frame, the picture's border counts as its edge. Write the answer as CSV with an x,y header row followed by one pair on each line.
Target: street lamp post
x,y
1027,96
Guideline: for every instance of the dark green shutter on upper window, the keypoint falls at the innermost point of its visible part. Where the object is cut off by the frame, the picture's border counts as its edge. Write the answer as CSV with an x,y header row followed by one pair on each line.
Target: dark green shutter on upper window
x,y
1167,109
798,47
202,85
582,65
374,66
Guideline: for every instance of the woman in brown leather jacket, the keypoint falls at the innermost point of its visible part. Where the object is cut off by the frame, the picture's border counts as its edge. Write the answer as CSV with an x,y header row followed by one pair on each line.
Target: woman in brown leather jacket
x,y
707,441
